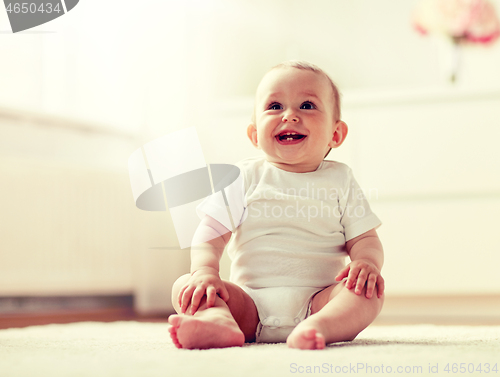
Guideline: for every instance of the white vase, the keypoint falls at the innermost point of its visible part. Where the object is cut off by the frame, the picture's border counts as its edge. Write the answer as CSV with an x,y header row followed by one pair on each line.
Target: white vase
x,y
449,54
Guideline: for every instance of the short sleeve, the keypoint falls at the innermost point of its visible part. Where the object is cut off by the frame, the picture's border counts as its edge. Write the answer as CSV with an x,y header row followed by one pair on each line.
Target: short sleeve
x,y
227,206
357,217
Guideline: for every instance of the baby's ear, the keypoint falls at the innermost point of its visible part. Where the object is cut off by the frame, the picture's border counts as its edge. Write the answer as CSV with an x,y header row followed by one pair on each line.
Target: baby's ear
x,y
252,135
339,134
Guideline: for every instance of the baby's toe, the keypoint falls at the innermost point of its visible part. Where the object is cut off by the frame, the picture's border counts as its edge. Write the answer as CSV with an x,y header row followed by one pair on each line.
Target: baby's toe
x,y
320,341
309,334
175,320
173,335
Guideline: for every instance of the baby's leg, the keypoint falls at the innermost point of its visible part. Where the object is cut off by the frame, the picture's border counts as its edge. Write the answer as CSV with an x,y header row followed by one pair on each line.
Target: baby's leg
x,y
338,314
223,325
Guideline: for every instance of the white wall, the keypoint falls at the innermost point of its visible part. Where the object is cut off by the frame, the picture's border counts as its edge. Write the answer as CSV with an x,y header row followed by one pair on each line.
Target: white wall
x,y
429,161
146,71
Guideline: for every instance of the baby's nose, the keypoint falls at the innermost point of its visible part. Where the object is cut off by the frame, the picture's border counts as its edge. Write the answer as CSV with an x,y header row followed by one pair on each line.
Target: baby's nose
x,y
290,118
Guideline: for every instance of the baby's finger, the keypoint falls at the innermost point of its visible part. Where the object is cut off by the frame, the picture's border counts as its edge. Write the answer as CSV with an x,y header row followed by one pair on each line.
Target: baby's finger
x,y
370,285
380,286
360,282
181,294
223,293
186,298
352,277
211,293
342,273
198,294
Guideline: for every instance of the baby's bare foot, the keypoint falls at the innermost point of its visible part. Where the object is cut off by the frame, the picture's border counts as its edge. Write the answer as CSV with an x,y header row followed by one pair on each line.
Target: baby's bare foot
x,y
306,337
205,331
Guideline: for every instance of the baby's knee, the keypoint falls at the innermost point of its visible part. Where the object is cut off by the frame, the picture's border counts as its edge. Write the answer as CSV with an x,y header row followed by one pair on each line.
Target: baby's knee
x,y
179,283
176,288
379,302
375,302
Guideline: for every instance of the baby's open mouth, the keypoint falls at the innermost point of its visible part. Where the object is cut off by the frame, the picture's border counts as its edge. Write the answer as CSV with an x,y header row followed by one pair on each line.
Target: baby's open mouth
x,y
289,137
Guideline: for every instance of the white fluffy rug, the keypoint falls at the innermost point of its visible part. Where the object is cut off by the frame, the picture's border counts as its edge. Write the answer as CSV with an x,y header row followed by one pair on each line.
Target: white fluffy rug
x,y
125,349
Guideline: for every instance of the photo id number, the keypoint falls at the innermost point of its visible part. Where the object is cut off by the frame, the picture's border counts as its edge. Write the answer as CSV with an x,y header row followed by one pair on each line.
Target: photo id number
x,y
471,368
33,8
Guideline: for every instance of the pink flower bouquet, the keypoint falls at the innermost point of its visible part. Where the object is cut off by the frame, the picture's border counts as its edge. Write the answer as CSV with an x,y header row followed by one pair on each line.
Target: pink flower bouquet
x,y
464,21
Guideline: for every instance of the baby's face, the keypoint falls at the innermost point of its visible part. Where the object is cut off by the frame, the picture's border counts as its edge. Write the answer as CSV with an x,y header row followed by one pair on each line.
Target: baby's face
x,y
294,119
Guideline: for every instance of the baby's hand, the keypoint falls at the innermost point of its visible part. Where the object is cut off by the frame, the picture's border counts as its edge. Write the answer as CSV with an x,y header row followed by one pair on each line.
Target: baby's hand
x,y
358,273
205,281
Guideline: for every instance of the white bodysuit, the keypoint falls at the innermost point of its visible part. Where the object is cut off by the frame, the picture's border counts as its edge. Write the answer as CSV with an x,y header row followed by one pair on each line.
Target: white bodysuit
x,y
289,237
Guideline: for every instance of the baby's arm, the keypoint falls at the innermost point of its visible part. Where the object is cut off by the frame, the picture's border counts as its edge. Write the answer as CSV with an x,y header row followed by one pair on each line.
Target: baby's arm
x,y
208,245
367,258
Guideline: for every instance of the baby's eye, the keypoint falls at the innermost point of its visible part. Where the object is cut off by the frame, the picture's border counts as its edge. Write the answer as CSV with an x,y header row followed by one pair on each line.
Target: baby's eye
x,y
275,106
307,106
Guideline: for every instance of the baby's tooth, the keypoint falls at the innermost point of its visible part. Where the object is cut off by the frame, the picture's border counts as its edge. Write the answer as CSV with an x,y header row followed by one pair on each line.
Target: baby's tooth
x,y
289,138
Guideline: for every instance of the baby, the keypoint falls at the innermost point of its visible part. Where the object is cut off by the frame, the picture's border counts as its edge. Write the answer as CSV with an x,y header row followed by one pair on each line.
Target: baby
x,y
300,216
